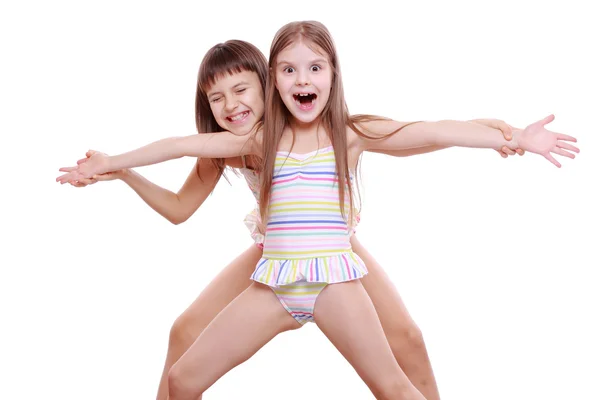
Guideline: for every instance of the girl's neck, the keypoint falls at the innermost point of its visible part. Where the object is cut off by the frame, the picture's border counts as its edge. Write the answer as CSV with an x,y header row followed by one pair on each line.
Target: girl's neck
x,y
304,128
304,137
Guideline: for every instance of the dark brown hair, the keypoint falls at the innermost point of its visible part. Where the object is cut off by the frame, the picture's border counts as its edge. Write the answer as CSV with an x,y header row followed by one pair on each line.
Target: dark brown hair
x,y
233,56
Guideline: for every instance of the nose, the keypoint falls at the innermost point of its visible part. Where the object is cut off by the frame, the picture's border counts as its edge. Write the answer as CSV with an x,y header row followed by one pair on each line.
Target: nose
x,y
302,79
231,103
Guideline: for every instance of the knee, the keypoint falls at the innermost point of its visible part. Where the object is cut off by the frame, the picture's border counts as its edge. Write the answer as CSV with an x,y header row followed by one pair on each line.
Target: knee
x,y
181,332
182,385
406,336
396,388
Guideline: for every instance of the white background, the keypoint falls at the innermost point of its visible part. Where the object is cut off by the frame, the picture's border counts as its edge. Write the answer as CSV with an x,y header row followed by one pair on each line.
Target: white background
x,y
496,259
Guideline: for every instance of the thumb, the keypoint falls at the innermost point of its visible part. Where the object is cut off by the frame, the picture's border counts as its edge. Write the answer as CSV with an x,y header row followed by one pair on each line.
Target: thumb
x,y
104,177
506,130
547,120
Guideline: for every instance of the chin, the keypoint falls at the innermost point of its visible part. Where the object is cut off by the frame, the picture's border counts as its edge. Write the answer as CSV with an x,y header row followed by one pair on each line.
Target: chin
x,y
240,129
306,119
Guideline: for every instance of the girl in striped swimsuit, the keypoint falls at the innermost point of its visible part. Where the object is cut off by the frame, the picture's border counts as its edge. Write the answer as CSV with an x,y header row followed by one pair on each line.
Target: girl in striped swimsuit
x,y
305,111
231,81
307,241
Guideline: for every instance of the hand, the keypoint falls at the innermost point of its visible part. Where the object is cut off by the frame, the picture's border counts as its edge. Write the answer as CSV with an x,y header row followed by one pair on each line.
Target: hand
x,y
108,176
88,168
537,139
506,130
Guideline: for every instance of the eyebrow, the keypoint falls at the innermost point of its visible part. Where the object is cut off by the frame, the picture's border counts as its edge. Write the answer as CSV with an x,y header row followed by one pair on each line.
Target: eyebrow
x,y
234,86
317,60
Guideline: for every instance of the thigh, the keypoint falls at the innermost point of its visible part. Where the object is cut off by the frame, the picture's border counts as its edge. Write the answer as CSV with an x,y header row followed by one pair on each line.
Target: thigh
x,y
403,334
240,330
345,314
224,288
392,312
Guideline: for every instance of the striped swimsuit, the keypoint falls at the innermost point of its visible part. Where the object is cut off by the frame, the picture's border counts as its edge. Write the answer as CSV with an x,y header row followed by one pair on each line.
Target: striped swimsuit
x,y
307,240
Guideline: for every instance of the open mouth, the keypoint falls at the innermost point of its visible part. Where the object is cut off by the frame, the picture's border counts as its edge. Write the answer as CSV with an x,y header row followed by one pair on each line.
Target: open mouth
x,y
238,117
305,100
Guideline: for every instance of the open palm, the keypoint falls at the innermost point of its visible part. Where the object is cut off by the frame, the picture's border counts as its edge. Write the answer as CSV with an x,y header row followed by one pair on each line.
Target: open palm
x,y
535,138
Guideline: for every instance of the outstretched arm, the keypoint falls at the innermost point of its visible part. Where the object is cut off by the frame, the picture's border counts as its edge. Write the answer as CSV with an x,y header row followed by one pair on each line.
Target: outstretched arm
x,y
492,123
207,145
535,138
175,207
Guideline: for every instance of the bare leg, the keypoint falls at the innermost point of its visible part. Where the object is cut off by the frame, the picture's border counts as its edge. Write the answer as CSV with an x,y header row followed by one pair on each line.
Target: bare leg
x,y
225,287
345,314
240,330
403,334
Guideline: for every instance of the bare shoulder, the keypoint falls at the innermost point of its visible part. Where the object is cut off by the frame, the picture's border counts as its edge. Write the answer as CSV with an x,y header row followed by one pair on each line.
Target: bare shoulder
x,y
373,127
369,131
366,128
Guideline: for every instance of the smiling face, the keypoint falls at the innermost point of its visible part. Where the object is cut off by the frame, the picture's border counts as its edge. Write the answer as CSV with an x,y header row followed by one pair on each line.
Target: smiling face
x,y
303,77
237,101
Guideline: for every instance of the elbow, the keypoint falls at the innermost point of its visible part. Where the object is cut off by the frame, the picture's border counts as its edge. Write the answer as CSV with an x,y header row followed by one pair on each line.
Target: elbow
x,y
179,147
179,212
435,133
175,221
188,146
178,218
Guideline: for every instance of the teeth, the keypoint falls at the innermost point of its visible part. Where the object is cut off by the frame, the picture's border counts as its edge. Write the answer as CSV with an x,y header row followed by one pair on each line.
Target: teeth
x,y
239,116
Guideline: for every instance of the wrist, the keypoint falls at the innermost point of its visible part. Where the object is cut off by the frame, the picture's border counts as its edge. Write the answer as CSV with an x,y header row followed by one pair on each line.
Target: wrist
x,y
125,175
516,136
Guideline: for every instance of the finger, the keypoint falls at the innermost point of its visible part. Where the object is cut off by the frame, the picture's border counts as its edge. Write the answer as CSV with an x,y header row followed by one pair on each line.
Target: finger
x,y
502,154
549,157
87,181
505,128
567,146
71,176
562,152
104,177
508,151
82,160
560,136
77,184
546,120
67,169
520,152
90,153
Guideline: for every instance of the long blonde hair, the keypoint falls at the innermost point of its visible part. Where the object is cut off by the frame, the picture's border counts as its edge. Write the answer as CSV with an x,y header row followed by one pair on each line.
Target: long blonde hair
x,y
335,117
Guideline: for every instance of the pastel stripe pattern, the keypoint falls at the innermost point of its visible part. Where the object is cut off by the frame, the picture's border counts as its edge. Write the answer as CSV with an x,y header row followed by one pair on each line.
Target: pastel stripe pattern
x,y
299,299
253,221
306,237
